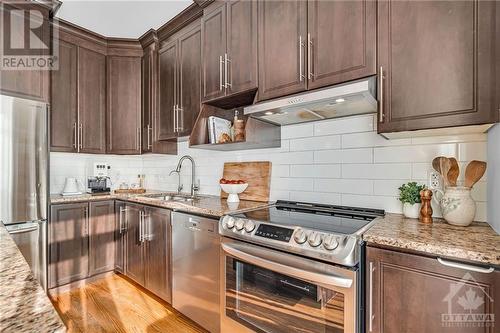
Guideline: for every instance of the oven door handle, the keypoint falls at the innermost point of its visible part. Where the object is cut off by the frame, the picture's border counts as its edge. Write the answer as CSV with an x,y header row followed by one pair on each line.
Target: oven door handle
x,y
286,265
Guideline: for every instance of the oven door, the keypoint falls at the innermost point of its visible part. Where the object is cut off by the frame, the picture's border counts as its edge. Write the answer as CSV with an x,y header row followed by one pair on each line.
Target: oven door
x,y
270,291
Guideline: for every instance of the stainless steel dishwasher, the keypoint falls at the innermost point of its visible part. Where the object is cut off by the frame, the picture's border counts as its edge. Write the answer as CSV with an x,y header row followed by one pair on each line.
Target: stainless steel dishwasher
x,y
195,269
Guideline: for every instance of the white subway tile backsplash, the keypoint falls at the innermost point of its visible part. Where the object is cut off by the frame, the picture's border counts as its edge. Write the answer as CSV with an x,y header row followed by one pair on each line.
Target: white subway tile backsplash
x,y
297,131
377,171
315,171
418,153
315,143
344,125
352,186
469,151
363,155
339,161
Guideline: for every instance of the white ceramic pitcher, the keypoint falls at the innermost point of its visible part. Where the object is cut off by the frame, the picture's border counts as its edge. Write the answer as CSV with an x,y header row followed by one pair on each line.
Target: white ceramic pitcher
x,y
457,205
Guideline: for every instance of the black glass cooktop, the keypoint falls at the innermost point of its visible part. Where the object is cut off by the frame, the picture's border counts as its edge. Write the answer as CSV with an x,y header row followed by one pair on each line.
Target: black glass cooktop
x,y
326,218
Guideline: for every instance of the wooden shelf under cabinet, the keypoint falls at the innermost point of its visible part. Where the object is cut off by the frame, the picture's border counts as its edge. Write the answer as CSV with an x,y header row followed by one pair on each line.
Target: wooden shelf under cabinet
x,y
258,133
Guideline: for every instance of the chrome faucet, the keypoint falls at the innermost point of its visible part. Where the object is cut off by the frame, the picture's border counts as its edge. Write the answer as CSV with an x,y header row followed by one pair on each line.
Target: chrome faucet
x,y
194,187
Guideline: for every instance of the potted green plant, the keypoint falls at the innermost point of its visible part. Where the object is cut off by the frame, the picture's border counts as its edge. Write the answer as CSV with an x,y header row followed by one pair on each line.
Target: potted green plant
x,y
409,195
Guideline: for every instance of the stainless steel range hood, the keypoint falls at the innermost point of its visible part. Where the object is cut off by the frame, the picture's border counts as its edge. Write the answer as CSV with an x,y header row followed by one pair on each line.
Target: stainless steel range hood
x,y
352,98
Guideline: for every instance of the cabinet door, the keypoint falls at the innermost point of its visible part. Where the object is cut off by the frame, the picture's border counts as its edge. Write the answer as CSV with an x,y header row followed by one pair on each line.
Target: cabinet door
x,y
158,230
63,111
92,101
242,45
282,28
147,99
24,83
124,105
102,237
341,41
168,91
189,79
120,237
436,57
213,27
68,243
412,293
135,264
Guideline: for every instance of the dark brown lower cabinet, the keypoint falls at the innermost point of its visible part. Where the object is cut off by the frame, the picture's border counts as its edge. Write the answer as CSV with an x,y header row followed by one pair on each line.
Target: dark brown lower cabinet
x,y
68,243
81,241
414,293
101,237
148,248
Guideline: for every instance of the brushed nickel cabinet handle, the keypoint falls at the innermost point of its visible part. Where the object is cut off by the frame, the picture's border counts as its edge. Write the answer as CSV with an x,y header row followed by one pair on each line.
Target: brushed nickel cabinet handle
x,y
381,98
148,138
75,135
221,84
301,75
466,267
80,141
226,71
141,227
310,74
370,292
180,119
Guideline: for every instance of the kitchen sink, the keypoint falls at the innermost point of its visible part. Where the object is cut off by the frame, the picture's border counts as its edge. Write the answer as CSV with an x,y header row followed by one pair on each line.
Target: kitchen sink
x,y
173,197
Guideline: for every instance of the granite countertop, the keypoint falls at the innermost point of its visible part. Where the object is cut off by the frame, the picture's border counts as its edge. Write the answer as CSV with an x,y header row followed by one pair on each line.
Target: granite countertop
x,y
24,306
477,242
208,205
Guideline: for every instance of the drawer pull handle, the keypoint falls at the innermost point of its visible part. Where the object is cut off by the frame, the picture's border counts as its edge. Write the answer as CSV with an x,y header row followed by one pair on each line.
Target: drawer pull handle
x,y
466,267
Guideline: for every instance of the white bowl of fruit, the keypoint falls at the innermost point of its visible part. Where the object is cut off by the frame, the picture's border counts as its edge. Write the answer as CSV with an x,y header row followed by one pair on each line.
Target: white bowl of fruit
x,y
233,188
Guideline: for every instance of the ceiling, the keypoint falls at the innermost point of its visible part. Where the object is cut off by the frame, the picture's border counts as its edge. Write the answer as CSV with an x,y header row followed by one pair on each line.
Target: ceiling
x,y
121,18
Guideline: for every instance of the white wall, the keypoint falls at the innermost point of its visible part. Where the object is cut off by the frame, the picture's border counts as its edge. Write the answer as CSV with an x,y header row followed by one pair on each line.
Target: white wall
x,y
494,177
341,161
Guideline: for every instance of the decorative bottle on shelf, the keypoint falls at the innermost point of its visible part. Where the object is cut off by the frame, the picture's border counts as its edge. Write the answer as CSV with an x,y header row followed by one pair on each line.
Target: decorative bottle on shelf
x,y
238,128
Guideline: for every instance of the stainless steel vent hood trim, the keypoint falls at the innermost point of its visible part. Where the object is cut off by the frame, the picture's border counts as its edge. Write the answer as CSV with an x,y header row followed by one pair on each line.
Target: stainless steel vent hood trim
x,y
352,98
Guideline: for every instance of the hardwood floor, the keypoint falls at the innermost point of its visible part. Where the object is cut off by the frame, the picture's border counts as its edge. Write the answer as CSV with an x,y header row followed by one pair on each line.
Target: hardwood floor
x,y
113,304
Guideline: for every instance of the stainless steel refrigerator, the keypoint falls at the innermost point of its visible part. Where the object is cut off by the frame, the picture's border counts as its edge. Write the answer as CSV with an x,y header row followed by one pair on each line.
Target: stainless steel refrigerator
x,y
23,178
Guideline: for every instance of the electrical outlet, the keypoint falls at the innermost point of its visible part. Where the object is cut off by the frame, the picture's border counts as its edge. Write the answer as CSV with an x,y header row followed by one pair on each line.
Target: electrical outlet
x,y
435,180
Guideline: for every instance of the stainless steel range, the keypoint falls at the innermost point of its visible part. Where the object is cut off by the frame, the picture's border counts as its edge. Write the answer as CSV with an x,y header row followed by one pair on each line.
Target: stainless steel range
x,y
293,266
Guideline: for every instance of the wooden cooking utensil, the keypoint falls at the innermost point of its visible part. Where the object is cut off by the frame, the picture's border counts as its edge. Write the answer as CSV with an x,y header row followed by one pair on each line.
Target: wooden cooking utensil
x,y
453,172
441,164
474,171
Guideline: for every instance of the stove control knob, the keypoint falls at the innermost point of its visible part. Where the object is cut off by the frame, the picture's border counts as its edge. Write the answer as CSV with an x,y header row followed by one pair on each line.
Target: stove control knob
x,y
300,236
239,224
249,226
229,222
315,239
330,242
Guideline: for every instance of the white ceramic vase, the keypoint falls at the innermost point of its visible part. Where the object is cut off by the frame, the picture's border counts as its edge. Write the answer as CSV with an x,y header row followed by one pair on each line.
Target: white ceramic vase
x,y
411,210
457,205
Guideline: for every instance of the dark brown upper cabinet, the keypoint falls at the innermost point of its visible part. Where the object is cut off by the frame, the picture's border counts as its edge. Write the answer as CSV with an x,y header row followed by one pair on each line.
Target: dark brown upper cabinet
x,y
91,101
123,105
24,83
229,61
168,91
282,48
312,44
180,101
413,293
63,111
436,64
341,41
78,107
150,99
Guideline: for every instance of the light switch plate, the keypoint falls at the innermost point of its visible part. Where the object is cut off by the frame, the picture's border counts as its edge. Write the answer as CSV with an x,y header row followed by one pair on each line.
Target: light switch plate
x,y
100,170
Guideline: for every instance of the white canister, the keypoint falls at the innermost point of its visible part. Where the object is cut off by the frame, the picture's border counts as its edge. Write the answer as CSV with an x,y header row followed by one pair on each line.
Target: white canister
x,y
411,210
457,205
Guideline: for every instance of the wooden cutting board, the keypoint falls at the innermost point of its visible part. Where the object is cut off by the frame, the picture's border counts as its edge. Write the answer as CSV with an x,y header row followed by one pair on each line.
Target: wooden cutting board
x,y
256,174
